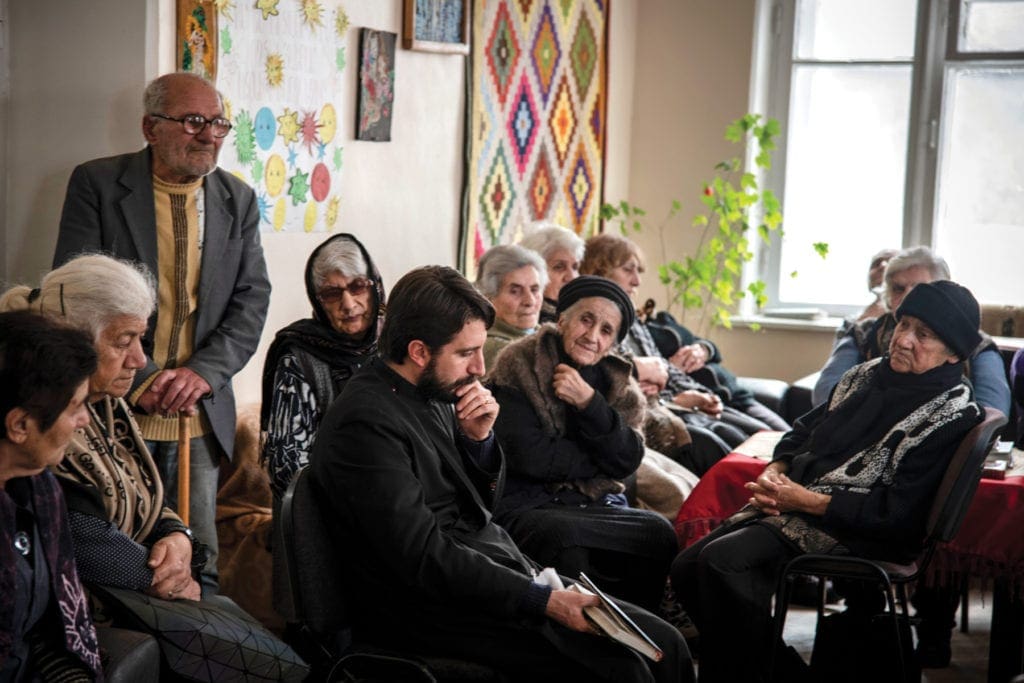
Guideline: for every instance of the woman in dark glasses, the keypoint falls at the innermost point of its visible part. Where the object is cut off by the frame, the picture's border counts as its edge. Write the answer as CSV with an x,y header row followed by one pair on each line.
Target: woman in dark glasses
x,y
310,360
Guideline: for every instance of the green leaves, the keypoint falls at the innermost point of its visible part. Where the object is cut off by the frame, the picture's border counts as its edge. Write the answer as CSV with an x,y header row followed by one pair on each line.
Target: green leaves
x,y
821,248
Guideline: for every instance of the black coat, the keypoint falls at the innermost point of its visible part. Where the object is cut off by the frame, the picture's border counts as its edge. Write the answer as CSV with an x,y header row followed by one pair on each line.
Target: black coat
x,y
426,567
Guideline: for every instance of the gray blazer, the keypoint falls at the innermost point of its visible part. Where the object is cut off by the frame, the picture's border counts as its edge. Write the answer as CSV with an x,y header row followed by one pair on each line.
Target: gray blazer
x,y
109,208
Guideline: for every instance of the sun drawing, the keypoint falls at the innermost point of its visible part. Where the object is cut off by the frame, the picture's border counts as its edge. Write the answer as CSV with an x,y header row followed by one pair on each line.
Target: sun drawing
x,y
267,7
224,7
309,130
312,13
275,70
340,22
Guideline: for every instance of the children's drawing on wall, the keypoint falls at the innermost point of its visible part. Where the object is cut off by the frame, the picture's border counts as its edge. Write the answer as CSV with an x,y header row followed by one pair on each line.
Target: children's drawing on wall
x,y
197,37
376,84
281,72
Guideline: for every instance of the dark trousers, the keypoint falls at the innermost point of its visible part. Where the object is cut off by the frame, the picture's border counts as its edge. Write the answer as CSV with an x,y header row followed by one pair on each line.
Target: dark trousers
x,y
551,652
625,551
725,582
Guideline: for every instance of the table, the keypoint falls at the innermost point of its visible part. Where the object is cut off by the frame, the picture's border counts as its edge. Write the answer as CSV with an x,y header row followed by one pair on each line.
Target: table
x,y
990,544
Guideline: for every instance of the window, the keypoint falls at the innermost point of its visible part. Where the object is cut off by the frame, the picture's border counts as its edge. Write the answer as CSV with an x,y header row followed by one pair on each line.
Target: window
x,y
903,124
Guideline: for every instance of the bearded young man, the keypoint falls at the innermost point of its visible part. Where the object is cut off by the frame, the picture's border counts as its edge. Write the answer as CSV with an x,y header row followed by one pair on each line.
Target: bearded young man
x,y
407,467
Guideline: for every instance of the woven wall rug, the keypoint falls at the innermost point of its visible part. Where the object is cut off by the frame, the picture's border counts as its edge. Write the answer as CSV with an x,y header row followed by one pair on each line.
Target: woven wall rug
x,y
536,120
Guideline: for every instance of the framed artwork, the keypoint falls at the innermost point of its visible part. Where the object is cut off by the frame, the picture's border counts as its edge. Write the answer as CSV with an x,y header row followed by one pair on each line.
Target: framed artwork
x,y
197,37
535,129
376,84
436,26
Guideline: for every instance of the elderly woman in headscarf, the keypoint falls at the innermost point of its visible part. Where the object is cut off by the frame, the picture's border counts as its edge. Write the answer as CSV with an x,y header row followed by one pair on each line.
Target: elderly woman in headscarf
x,y
307,366
569,425
562,251
856,475
512,278
310,360
45,367
125,536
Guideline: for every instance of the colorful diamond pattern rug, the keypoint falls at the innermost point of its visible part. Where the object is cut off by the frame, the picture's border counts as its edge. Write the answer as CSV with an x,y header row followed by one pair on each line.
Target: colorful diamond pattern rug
x,y
536,119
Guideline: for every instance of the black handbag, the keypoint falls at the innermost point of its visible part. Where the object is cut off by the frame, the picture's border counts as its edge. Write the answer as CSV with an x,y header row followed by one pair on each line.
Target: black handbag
x,y
206,640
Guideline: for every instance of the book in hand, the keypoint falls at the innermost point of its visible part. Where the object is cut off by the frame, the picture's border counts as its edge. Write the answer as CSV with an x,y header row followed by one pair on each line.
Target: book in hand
x,y
614,623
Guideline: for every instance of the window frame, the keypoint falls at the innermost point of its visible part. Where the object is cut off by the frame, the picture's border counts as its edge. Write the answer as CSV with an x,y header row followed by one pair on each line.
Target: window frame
x,y
935,48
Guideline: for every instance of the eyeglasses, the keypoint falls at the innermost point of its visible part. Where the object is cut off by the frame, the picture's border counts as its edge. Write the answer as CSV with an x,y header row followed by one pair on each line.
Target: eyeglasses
x,y
332,294
194,124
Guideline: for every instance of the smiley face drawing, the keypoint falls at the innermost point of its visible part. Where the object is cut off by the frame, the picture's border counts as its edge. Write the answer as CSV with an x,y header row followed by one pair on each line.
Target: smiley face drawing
x,y
279,209
264,128
309,220
328,123
274,175
320,183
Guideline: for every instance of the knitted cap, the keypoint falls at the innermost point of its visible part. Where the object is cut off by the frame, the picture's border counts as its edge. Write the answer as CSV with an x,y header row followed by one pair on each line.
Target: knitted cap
x,y
586,286
950,310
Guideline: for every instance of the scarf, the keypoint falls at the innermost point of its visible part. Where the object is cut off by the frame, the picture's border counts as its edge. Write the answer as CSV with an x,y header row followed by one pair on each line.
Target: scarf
x,y
111,472
65,588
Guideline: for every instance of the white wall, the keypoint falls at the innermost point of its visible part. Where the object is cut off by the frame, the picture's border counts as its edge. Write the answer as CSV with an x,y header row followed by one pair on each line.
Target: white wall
x,y
77,70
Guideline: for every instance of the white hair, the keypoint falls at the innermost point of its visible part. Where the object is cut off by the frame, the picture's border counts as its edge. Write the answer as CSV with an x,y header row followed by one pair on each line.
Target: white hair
x,y
88,291
500,260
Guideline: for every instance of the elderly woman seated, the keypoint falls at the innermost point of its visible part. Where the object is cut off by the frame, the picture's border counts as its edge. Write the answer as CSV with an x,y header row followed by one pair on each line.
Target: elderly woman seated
x,y
855,476
307,366
310,360
125,536
569,425
715,427
512,278
562,251
45,632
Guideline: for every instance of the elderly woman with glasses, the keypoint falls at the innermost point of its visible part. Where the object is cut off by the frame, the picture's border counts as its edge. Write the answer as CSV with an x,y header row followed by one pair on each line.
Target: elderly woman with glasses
x,y
310,360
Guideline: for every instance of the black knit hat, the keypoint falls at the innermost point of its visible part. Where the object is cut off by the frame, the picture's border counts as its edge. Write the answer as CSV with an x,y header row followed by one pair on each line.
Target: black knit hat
x,y
591,285
950,310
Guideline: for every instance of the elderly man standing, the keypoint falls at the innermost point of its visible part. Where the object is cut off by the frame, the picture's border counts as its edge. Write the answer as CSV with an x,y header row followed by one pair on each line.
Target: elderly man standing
x,y
195,227
407,468
513,280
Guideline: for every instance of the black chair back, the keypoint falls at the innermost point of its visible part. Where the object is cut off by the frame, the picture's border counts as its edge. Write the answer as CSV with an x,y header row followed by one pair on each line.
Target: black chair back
x,y
955,492
312,560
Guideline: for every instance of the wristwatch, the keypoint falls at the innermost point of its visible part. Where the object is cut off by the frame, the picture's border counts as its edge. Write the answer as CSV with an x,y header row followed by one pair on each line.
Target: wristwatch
x,y
200,553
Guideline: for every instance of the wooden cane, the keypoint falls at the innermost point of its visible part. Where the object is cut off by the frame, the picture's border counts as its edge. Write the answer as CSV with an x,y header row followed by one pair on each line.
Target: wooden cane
x,y
184,464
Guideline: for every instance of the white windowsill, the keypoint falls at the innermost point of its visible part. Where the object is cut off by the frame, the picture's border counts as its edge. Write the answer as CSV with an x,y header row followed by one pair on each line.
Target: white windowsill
x,y
827,324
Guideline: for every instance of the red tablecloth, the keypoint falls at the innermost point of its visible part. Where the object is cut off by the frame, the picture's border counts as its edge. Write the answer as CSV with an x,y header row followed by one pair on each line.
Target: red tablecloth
x,y
718,494
990,542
